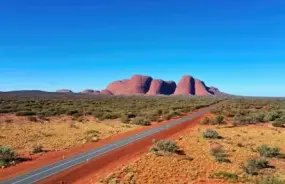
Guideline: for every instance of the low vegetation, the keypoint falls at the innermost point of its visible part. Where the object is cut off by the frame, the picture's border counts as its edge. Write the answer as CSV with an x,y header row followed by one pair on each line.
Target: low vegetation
x,y
265,151
165,146
232,177
7,157
249,152
219,155
270,180
42,106
211,134
253,166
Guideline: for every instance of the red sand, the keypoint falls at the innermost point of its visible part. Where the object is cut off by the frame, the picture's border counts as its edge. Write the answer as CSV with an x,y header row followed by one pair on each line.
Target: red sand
x,y
93,170
41,160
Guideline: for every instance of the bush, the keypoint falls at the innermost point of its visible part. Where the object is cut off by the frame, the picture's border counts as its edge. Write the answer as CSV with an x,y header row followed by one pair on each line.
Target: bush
x,y
225,175
265,151
37,149
270,180
167,116
141,121
219,120
271,116
125,119
165,146
7,156
25,113
108,116
219,155
279,123
92,135
241,120
211,134
253,166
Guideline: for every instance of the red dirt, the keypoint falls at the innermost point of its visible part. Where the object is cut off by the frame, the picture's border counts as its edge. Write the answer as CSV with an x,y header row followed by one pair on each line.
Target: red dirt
x,y
41,160
95,169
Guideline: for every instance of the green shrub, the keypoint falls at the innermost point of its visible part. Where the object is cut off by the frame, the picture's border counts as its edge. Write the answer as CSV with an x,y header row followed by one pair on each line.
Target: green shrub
x,y
253,166
211,134
7,156
108,116
125,119
265,151
225,175
25,113
219,155
32,118
219,120
167,116
258,117
37,149
269,180
271,116
241,120
279,123
141,121
165,146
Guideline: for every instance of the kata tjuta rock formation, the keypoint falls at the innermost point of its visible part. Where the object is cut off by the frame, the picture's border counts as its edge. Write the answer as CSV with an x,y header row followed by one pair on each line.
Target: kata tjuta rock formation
x,y
140,84
146,85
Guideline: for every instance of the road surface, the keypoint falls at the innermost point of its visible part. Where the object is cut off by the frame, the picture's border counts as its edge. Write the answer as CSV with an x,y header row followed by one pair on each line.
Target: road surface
x,y
55,168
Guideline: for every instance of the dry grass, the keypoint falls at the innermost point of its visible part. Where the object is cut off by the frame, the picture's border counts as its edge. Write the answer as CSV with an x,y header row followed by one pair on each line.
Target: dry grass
x,y
58,133
239,143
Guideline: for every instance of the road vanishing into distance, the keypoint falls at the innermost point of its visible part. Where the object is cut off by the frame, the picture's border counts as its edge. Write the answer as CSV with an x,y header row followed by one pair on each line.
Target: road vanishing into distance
x,y
57,167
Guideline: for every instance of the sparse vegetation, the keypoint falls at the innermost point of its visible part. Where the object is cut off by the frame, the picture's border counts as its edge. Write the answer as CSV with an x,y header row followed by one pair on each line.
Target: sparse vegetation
x,y
165,146
141,121
253,166
102,107
7,156
211,134
37,149
265,151
219,155
225,175
269,180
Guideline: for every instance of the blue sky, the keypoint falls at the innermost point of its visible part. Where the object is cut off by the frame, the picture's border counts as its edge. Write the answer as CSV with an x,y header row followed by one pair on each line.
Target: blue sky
x,y
238,46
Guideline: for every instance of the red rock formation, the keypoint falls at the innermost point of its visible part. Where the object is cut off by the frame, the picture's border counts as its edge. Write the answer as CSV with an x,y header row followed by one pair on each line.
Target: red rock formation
x,y
106,92
139,84
119,87
64,91
156,87
201,88
170,87
186,86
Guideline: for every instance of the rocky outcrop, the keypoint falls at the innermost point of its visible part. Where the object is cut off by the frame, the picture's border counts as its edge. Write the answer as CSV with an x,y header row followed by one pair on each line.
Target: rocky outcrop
x,y
139,84
106,92
160,87
146,85
186,86
64,91
201,88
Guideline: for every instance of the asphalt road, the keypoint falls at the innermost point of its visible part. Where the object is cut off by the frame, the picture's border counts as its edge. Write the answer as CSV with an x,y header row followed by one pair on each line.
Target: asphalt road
x,y
49,170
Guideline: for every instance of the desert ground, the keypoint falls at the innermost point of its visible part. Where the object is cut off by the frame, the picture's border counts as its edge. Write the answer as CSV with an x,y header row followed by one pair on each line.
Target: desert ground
x,y
245,149
239,141
34,123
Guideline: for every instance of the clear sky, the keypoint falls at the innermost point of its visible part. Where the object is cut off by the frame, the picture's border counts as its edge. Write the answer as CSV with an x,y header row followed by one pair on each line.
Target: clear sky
x,y
236,45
